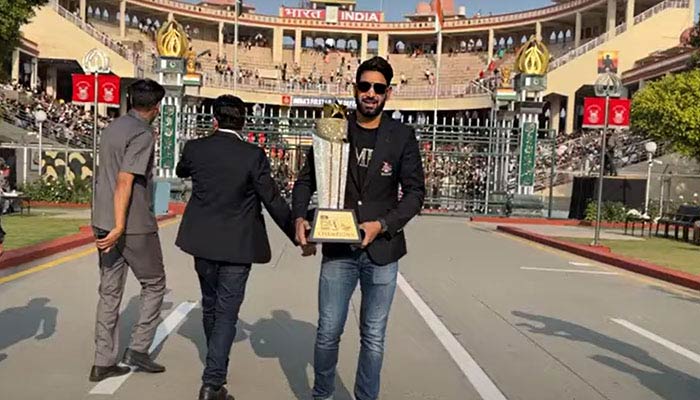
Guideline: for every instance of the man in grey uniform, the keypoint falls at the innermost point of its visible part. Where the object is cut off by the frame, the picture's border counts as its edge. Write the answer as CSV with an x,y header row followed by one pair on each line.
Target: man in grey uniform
x,y
127,233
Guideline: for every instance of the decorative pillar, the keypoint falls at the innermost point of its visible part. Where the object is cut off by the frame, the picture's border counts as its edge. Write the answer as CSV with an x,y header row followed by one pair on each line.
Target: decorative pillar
x,y
298,41
577,30
492,40
51,81
629,14
538,30
554,111
35,73
221,38
122,19
15,65
364,40
171,16
277,44
383,45
83,10
612,17
570,113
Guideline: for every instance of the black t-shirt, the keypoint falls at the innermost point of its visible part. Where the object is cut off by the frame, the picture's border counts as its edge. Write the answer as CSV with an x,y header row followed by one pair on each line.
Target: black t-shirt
x,y
362,143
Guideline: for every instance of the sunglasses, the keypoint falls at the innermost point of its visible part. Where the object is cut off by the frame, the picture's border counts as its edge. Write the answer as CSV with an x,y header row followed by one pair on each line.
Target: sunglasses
x,y
379,88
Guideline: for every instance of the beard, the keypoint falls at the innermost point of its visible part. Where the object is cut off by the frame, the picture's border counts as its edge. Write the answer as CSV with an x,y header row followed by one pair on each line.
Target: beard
x,y
369,107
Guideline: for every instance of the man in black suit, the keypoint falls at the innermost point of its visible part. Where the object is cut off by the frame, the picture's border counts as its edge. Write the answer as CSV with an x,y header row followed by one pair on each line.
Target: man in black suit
x,y
384,156
224,229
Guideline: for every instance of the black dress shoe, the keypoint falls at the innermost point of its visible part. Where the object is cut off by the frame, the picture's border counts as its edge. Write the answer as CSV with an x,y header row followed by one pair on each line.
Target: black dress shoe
x,y
141,361
208,392
101,373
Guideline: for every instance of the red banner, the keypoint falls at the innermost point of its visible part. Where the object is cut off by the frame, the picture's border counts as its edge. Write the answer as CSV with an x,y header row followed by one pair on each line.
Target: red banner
x,y
594,112
109,92
342,15
83,88
619,115
108,89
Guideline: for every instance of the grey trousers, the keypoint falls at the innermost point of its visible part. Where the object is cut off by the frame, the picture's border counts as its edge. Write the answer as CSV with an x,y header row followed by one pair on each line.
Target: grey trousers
x,y
141,253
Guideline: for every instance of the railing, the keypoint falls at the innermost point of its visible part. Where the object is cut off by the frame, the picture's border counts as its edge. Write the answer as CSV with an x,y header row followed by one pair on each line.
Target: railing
x,y
466,23
605,37
339,89
128,54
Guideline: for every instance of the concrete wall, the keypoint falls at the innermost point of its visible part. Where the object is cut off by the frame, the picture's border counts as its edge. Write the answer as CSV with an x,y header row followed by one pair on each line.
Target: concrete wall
x,y
60,39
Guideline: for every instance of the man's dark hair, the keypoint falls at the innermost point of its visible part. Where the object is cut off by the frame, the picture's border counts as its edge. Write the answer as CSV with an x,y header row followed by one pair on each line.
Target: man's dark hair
x,y
376,64
145,94
229,112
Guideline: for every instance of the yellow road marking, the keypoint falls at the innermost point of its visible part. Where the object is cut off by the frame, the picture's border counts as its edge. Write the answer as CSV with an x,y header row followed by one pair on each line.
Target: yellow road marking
x,y
62,260
625,273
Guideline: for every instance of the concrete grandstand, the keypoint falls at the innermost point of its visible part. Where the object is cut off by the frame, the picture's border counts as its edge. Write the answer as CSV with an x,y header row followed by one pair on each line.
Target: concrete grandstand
x,y
301,52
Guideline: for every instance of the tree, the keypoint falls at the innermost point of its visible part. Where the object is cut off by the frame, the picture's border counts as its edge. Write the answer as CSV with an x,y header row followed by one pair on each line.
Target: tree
x,y
13,14
667,110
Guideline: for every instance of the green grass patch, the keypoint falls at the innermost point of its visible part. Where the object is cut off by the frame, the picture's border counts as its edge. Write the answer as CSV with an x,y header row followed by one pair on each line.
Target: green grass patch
x,y
25,230
668,253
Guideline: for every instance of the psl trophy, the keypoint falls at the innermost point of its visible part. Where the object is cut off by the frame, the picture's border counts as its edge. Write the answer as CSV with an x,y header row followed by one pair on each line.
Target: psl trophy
x,y
332,223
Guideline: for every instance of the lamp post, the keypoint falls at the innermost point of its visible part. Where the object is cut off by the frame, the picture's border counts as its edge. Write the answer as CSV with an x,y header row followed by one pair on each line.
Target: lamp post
x,y
607,85
40,116
650,147
95,62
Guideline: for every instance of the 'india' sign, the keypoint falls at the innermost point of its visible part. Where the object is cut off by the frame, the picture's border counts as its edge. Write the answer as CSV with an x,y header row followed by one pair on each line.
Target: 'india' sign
x,y
342,15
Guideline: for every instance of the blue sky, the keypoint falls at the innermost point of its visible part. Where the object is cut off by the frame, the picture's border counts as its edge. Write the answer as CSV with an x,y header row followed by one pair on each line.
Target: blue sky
x,y
396,9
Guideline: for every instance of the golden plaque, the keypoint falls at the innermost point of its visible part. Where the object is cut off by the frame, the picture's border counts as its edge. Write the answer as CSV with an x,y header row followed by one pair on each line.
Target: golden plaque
x,y
335,226
332,222
171,40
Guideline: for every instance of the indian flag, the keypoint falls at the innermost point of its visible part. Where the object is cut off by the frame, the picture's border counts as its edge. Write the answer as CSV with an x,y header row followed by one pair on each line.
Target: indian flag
x,y
439,17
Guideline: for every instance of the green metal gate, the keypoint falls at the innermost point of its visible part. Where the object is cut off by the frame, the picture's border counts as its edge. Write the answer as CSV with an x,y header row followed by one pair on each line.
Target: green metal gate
x,y
470,165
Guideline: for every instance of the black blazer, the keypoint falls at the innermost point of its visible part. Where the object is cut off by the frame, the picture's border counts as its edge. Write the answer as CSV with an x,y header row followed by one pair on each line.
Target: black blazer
x,y
395,161
223,220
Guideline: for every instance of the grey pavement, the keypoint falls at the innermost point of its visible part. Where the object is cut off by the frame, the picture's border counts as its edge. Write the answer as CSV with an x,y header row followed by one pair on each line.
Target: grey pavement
x,y
538,333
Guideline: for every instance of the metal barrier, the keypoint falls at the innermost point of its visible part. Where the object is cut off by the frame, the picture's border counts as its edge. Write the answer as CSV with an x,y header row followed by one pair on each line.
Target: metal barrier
x,y
466,161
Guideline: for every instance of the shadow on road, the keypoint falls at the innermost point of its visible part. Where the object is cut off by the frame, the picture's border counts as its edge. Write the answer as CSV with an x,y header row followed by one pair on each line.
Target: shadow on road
x,y
35,320
282,337
666,382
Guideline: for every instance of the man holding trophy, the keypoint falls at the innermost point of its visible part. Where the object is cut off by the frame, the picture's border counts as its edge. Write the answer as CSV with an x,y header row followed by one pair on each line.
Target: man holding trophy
x,y
357,165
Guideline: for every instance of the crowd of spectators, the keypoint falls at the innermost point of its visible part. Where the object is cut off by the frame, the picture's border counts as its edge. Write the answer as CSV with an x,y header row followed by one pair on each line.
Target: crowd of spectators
x,y
66,123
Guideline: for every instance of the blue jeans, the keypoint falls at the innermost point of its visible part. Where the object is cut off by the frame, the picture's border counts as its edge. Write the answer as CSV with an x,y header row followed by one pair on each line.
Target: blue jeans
x,y
339,277
223,289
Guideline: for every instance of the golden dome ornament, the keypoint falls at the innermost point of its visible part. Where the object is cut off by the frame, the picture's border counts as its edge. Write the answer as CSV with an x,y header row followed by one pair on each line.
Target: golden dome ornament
x,y
172,41
532,58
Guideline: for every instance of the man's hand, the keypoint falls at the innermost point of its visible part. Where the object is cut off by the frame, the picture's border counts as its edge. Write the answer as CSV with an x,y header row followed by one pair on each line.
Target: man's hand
x,y
105,244
302,226
372,230
308,250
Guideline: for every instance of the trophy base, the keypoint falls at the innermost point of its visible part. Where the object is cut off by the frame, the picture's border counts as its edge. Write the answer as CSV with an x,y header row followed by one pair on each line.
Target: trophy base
x,y
335,226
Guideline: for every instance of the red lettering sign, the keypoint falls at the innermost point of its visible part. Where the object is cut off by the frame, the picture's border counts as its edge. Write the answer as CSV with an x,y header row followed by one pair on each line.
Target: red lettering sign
x,y
343,15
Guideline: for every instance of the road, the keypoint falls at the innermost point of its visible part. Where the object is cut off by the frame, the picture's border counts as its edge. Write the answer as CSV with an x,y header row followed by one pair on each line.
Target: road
x,y
478,315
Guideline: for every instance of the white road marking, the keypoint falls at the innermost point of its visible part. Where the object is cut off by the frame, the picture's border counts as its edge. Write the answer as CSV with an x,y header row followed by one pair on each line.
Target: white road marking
x,y
169,324
658,339
478,378
580,264
575,271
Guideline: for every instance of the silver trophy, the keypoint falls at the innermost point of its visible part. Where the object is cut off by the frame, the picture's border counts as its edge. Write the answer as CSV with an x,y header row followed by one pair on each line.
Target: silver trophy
x,y
332,223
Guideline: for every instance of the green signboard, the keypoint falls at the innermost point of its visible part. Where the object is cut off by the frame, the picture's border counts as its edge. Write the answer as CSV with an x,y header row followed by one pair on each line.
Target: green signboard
x,y
528,153
168,129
